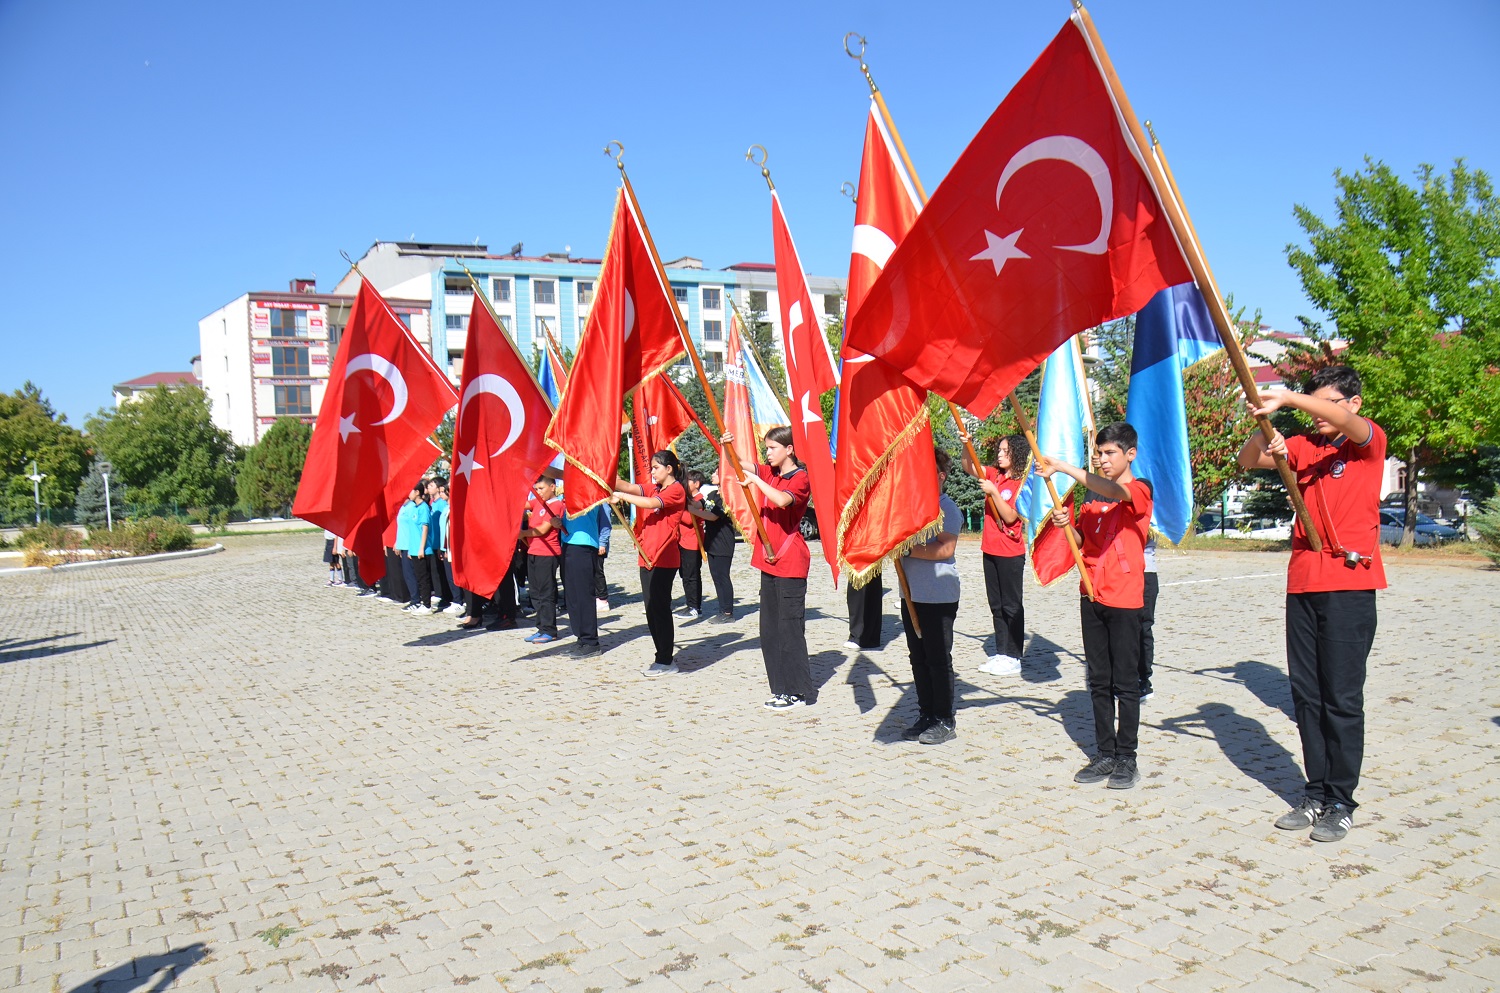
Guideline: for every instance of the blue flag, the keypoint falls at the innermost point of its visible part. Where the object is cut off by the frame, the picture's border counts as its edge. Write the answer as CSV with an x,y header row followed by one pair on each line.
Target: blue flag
x,y
547,381
1171,333
1064,425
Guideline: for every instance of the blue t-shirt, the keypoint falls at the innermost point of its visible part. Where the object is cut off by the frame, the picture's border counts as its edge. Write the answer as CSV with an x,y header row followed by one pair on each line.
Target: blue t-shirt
x,y
409,523
588,528
437,533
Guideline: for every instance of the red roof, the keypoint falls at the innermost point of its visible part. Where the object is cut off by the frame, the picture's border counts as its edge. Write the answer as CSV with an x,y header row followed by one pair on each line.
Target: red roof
x,y
753,267
159,379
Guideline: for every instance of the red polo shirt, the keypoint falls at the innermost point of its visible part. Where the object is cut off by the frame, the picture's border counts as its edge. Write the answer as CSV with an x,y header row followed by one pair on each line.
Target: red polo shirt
x,y
658,529
1114,546
540,513
689,530
1340,483
1004,540
784,525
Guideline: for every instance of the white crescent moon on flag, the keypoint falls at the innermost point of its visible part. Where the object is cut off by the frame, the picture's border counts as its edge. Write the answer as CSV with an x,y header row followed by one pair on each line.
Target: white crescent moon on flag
x,y
793,322
873,243
497,386
1066,148
382,367
629,315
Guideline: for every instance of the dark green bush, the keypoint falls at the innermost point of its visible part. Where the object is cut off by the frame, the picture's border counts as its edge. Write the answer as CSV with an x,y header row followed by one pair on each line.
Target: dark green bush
x,y
142,536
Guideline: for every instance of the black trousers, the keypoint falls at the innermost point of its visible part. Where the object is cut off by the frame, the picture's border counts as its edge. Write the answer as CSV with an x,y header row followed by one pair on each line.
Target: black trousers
x,y
783,634
1003,578
656,590
691,571
541,581
932,656
865,616
393,586
1148,638
456,594
439,579
718,569
503,600
601,588
418,575
1328,641
1112,648
578,587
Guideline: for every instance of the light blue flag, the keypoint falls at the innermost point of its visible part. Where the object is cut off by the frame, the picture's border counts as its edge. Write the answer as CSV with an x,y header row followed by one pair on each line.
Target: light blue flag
x,y
765,410
1064,425
1171,333
547,381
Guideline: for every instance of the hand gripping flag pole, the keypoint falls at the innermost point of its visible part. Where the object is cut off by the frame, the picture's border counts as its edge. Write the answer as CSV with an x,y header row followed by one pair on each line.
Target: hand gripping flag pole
x,y
1021,418
616,151
1177,216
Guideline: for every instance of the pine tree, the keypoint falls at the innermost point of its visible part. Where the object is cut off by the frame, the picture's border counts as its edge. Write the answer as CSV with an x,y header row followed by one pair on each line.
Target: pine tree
x,y
88,505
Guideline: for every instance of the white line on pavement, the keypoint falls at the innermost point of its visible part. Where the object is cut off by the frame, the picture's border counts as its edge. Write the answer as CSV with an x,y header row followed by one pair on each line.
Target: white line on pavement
x,y
1224,579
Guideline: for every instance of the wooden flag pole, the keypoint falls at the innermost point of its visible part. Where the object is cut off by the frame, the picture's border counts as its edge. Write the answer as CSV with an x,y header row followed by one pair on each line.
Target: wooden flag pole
x,y
478,295
911,606
1187,238
1036,453
687,341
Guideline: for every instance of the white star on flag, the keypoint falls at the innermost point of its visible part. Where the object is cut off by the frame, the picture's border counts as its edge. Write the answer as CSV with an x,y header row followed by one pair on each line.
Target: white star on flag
x,y
346,427
467,465
1001,250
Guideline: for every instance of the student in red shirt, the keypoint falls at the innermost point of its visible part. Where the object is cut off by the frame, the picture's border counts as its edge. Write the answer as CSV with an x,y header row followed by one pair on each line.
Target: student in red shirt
x,y
1330,595
1112,527
663,499
1004,548
783,490
691,568
543,536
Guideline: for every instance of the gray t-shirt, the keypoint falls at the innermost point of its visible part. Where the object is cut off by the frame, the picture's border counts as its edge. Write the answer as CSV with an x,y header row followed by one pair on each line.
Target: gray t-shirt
x,y
936,580
1151,554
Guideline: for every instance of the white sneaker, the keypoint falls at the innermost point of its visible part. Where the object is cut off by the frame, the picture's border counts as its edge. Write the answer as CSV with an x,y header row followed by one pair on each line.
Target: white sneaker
x,y
419,609
658,669
602,606
851,646
1001,665
454,608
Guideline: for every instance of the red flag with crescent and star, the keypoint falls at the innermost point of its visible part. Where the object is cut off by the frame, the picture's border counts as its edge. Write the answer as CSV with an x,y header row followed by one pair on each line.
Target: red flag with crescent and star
x,y
385,397
885,469
377,531
633,331
1048,224
498,450
809,373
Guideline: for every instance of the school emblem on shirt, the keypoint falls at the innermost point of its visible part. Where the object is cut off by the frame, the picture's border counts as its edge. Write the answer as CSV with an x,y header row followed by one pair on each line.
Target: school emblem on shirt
x,y
1005,494
1337,469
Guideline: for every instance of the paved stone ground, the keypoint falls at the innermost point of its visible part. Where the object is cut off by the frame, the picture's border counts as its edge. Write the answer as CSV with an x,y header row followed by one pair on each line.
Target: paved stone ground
x,y
218,767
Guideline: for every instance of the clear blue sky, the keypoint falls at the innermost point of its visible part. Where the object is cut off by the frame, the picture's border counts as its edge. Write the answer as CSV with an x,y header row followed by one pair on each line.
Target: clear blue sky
x,y
163,158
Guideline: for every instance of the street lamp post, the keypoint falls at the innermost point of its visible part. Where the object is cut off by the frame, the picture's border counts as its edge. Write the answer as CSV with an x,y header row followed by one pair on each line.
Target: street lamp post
x,y
109,510
36,478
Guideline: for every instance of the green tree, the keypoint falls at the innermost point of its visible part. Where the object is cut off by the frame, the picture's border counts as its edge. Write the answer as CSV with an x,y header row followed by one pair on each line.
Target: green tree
x,y
89,504
30,428
167,449
1408,276
270,470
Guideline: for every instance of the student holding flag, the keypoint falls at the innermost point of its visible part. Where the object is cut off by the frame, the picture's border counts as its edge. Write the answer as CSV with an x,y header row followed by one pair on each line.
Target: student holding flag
x,y
1004,548
663,499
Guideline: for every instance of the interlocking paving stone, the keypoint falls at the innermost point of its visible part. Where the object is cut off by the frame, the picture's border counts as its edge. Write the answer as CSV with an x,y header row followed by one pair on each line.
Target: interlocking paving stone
x,y
328,794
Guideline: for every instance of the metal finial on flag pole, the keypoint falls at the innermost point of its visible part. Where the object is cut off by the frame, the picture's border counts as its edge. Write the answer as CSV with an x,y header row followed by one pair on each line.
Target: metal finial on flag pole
x,y
764,155
860,57
616,151
849,191
1152,132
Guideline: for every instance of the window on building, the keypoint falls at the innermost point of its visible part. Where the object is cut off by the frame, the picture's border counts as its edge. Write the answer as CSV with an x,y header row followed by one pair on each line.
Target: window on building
x,y
585,294
713,330
288,323
544,291
505,321
457,322
289,360
711,298
681,292
457,285
500,290
759,300
293,401
713,362
831,303
541,335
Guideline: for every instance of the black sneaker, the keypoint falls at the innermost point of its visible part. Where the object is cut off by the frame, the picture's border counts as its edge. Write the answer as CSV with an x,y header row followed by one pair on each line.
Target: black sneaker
x,y
1125,776
1096,771
586,652
786,701
939,732
1300,817
915,731
1333,823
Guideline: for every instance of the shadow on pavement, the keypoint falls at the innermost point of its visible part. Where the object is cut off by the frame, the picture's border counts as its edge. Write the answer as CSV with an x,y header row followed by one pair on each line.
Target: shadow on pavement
x,y
1268,683
1042,661
1073,711
135,974
1245,742
19,650
861,673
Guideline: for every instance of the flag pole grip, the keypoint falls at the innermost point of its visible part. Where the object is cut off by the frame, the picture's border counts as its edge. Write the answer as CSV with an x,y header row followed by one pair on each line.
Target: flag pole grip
x,y
1187,239
1036,453
911,607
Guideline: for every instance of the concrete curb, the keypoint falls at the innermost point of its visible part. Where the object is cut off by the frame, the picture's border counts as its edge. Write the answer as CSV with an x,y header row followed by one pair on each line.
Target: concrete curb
x,y
126,560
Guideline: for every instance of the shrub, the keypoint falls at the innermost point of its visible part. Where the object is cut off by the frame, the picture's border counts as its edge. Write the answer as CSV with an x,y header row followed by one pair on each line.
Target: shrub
x,y
142,536
36,555
44,535
1487,523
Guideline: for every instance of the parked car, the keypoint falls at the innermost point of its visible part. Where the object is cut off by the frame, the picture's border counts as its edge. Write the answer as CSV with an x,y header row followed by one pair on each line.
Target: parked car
x,y
1212,523
1429,531
809,525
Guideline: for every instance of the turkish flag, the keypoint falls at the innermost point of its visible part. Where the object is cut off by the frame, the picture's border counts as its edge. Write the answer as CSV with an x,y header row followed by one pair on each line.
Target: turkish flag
x,y
739,421
498,450
810,374
376,531
633,331
1048,224
886,473
385,397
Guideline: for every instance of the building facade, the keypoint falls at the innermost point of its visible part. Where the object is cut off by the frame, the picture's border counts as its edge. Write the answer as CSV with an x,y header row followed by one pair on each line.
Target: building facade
x,y
558,290
266,354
